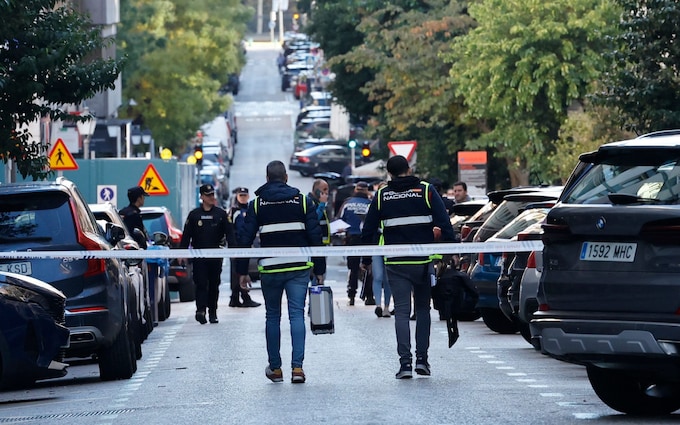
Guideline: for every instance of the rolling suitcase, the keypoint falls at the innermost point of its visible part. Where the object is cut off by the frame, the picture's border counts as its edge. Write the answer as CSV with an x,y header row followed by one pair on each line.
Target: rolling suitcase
x,y
321,310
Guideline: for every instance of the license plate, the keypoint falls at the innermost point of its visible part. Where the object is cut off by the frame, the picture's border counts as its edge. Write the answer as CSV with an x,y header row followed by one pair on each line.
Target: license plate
x,y
23,267
608,251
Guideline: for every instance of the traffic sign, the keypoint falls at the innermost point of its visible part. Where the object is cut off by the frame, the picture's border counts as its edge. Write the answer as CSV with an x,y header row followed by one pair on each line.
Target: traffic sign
x,y
152,182
60,158
405,149
107,193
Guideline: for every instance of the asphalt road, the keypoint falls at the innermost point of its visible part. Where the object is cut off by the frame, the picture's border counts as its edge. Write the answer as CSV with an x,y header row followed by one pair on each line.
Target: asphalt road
x,y
214,373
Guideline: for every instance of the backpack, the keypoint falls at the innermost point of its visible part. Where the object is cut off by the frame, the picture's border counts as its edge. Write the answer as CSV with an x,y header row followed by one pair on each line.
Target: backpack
x,y
453,295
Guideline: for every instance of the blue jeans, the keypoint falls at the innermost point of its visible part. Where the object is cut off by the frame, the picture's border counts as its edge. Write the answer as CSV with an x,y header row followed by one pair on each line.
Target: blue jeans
x,y
404,280
295,285
380,280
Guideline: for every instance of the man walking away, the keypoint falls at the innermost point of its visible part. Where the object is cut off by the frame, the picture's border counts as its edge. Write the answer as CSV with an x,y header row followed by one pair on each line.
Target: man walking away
x,y
353,212
409,212
284,217
207,227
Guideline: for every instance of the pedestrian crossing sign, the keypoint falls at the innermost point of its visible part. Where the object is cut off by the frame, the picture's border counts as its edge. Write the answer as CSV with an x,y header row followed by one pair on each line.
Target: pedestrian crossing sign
x,y
152,182
60,158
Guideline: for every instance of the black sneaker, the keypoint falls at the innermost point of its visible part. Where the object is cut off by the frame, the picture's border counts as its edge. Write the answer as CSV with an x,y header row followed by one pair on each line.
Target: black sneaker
x,y
213,317
200,317
378,311
351,301
250,303
422,367
405,371
370,301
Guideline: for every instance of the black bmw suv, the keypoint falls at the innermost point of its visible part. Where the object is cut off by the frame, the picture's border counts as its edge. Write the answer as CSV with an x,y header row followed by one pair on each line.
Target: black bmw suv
x,y
100,301
609,293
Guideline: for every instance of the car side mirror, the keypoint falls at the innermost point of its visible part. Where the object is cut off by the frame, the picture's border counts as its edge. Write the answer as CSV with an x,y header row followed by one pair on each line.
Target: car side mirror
x,y
114,233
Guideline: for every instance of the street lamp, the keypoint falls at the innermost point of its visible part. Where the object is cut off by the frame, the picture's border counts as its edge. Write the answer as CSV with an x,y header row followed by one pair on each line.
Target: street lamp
x,y
114,131
147,139
86,128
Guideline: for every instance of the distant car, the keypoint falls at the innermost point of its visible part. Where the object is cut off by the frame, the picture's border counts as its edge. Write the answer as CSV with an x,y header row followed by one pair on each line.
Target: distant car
x,y
33,335
313,111
320,159
181,279
313,128
302,144
101,301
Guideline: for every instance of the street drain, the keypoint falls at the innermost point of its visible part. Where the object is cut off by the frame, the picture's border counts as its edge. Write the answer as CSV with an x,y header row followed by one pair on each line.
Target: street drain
x,y
65,415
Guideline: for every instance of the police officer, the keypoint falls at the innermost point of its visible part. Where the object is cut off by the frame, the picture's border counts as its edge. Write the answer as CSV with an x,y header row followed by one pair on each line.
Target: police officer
x,y
207,227
238,218
284,217
409,212
353,211
132,215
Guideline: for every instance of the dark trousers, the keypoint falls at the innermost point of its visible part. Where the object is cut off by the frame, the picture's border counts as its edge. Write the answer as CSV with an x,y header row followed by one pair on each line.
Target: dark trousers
x,y
406,280
207,273
353,264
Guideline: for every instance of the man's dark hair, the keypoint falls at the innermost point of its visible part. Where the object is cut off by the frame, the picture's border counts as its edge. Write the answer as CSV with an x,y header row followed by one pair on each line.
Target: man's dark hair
x,y
461,184
276,171
397,165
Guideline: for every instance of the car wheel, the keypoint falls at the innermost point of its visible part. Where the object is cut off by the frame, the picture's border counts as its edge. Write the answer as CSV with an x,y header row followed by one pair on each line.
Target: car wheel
x,y
525,330
160,307
495,320
118,360
304,173
626,393
166,301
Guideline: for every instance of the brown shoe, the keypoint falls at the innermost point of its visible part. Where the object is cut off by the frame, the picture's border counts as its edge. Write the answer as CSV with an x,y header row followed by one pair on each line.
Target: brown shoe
x,y
298,376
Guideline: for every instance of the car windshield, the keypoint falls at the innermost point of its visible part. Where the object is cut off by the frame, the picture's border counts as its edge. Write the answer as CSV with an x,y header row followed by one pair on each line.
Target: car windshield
x,y
155,222
40,217
632,177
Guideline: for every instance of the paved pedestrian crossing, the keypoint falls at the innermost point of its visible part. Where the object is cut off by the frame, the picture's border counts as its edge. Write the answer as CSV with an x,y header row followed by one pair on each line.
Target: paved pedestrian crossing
x,y
265,109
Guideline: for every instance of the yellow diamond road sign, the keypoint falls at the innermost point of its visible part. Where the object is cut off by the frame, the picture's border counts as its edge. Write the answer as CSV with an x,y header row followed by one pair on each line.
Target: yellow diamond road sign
x,y
152,182
60,158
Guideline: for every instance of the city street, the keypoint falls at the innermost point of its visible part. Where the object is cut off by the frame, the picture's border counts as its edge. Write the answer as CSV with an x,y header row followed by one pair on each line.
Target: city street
x,y
214,373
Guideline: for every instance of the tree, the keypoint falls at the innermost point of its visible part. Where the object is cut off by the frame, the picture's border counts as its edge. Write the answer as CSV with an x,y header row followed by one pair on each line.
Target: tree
x,y
644,81
411,91
44,64
525,64
180,53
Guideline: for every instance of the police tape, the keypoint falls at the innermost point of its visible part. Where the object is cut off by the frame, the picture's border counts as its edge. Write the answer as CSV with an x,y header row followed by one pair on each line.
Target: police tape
x,y
307,251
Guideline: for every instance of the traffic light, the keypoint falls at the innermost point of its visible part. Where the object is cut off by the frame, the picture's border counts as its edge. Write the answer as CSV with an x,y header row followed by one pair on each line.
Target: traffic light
x,y
366,149
198,154
352,143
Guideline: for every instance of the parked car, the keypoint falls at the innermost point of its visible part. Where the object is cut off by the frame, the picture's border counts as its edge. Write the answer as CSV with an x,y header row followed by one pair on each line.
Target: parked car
x,y
137,270
100,304
487,268
33,335
320,159
609,292
310,142
313,111
313,128
181,279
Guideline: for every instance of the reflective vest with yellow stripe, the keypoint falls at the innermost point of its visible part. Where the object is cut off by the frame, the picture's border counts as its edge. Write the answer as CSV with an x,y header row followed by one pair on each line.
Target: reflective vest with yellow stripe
x,y
281,219
406,218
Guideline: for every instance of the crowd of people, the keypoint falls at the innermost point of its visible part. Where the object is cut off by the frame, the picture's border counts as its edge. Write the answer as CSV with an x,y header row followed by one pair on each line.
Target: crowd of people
x,y
401,210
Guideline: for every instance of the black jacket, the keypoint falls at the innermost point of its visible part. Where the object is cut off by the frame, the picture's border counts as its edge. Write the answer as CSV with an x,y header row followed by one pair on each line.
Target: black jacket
x,y
207,229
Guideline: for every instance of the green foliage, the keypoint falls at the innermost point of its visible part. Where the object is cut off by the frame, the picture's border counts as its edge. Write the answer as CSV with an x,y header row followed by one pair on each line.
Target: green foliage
x,y
180,53
644,82
525,64
44,63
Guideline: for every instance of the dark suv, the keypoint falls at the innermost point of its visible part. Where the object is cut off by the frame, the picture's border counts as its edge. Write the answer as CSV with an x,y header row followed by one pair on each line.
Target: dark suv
x,y
53,216
609,293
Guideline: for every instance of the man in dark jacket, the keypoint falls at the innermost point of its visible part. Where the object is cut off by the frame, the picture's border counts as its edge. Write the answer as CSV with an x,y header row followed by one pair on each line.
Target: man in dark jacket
x,y
353,211
408,211
132,215
284,217
207,227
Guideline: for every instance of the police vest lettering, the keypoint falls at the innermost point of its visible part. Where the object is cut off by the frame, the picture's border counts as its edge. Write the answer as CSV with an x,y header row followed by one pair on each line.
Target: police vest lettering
x,y
359,208
295,200
391,195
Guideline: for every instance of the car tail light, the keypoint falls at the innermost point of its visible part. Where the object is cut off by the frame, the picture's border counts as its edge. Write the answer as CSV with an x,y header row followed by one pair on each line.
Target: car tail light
x,y
666,231
94,266
182,273
303,159
480,258
464,231
531,261
543,307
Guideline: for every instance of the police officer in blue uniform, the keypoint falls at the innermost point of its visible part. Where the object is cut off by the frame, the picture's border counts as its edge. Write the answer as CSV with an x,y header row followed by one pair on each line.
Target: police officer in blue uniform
x,y
408,211
207,227
284,217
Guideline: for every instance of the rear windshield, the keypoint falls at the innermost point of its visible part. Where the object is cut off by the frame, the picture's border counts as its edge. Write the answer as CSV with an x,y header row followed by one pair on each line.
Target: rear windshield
x,y
642,176
42,217
155,222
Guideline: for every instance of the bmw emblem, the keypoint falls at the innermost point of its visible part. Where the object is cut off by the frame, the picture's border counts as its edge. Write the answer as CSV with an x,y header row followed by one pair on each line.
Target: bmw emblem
x,y
600,223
